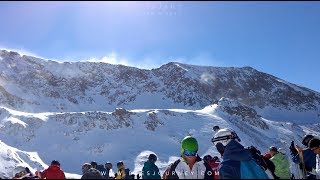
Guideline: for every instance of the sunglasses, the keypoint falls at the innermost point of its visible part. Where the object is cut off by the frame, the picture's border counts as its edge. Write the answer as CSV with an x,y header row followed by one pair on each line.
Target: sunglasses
x,y
189,153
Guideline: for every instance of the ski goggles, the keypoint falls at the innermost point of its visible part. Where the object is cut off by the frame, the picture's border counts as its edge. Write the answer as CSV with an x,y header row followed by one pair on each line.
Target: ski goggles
x,y
189,153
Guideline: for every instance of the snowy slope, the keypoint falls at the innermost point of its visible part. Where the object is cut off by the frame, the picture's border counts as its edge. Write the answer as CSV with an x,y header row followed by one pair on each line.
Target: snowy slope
x,y
130,135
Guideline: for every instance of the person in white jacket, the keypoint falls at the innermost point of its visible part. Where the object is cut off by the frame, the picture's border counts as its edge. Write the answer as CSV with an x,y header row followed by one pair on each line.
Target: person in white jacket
x,y
190,165
314,145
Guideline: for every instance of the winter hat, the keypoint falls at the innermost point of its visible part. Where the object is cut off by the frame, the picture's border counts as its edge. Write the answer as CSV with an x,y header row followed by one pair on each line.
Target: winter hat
x,y
272,148
152,157
85,167
189,143
94,164
119,164
215,128
267,155
207,158
108,165
224,136
314,143
306,139
55,162
215,158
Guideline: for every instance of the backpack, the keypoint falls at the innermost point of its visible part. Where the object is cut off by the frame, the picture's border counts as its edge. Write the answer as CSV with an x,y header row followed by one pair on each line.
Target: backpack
x,y
251,170
103,171
174,175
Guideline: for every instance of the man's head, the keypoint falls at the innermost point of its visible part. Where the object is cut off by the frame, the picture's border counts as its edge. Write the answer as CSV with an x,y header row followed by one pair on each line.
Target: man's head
x,y
223,137
306,139
85,167
55,163
215,128
94,164
207,158
108,165
152,158
314,145
189,149
120,165
215,159
273,151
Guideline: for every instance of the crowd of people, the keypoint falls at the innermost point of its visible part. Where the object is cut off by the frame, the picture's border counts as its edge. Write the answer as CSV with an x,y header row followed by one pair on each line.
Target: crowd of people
x,y
236,162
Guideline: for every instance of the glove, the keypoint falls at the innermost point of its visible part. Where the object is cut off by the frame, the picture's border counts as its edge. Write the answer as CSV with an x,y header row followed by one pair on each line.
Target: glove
x,y
293,149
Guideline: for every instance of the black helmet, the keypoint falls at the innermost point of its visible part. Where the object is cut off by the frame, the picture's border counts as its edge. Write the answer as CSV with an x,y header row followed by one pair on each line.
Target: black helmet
x,y
152,157
306,139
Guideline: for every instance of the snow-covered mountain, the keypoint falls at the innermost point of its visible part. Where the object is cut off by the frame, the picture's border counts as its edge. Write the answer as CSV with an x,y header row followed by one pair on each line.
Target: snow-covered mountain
x,y
83,111
37,85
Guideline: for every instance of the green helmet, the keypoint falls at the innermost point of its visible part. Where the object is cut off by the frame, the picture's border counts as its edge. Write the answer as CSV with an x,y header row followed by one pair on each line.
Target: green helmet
x,y
189,143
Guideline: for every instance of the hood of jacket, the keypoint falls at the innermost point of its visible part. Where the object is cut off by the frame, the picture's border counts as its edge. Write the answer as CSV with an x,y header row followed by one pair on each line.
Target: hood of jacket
x,y
235,151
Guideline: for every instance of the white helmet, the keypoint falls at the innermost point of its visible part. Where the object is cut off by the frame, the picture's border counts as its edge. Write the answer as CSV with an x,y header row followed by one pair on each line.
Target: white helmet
x,y
224,136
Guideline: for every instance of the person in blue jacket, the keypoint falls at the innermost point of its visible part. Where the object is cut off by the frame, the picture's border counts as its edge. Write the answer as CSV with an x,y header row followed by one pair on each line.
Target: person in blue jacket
x,y
150,170
309,157
237,162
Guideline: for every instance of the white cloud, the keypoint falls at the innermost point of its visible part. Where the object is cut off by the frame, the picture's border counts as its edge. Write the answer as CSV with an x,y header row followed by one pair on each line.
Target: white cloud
x,y
207,77
112,58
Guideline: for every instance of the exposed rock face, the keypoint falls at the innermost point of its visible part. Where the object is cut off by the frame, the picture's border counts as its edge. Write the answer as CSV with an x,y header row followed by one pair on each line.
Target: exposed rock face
x,y
245,113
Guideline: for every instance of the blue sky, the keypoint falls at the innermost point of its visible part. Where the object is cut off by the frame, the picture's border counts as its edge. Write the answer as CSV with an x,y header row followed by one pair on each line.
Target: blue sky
x,y
279,38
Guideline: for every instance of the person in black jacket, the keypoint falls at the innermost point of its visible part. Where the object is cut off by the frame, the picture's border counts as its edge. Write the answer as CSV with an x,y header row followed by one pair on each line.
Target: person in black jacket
x,y
89,172
262,161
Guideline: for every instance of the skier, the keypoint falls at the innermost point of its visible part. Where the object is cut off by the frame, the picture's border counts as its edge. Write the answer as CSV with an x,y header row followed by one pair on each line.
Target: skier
x,y
189,165
281,163
150,170
237,162
214,163
110,172
314,145
53,172
121,174
264,162
103,171
309,157
90,173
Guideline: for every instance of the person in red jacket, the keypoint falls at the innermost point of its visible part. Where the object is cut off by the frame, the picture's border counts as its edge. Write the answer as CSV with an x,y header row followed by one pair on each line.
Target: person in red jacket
x,y
53,172
214,163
